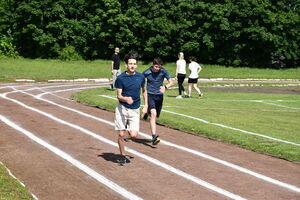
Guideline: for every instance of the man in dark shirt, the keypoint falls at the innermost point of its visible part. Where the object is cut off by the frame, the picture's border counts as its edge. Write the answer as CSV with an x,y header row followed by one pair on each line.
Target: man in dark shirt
x,y
115,66
127,113
155,76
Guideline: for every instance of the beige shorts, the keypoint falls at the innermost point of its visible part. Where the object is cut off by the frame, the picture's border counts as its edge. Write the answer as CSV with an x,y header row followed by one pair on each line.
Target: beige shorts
x,y
127,119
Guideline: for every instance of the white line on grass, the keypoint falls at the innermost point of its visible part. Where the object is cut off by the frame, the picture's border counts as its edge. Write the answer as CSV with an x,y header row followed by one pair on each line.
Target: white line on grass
x,y
100,178
274,104
200,154
223,126
152,160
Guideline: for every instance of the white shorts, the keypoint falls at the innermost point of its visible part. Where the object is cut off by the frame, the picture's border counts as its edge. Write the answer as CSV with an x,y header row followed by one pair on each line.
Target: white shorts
x,y
127,119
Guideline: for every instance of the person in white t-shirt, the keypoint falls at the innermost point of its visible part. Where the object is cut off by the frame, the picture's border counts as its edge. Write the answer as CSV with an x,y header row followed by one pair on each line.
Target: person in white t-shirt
x,y
180,74
194,68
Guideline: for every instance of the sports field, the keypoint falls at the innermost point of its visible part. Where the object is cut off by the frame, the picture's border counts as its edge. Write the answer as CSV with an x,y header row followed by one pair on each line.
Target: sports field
x,y
264,119
218,146
61,149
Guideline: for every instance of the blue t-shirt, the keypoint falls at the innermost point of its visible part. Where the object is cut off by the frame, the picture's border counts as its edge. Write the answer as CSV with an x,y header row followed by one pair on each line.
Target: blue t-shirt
x,y
131,87
155,80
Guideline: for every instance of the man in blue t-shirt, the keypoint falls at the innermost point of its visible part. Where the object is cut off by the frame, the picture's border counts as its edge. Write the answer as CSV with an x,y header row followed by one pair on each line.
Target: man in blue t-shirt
x,y
155,76
127,115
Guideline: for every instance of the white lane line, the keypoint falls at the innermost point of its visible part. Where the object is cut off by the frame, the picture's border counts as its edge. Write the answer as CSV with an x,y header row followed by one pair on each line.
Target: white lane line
x,y
278,105
198,153
13,176
64,90
55,86
100,178
221,125
152,160
232,128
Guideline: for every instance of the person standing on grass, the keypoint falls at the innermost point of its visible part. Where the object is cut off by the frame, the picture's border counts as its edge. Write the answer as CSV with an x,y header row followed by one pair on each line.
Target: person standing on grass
x,y
115,66
127,113
180,74
194,68
155,76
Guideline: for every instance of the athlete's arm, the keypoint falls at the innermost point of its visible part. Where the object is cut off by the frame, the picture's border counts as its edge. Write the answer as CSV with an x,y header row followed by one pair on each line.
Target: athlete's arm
x,y
128,100
145,96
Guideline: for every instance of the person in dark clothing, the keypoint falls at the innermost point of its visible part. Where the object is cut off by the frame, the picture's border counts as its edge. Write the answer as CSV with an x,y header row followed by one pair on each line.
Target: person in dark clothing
x,y
155,76
115,66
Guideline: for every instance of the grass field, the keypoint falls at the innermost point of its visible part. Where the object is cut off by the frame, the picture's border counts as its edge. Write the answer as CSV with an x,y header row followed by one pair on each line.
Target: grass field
x,y
43,70
240,118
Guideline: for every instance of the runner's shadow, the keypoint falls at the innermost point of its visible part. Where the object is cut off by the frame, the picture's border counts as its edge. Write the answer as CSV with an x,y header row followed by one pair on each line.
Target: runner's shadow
x,y
113,157
143,141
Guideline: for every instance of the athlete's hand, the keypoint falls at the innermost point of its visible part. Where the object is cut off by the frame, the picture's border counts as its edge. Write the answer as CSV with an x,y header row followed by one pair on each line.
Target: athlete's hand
x,y
129,100
162,89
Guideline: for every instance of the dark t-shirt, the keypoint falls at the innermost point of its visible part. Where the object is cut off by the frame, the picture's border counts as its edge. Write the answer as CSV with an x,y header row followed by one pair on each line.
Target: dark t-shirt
x,y
131,87
155,80
116,59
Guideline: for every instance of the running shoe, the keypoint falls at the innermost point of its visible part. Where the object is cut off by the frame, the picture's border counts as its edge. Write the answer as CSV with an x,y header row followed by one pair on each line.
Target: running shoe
x,y
122,160
201,95
179,97
155,139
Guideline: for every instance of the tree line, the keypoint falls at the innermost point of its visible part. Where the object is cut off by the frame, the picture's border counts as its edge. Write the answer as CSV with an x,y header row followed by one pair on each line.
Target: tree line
x,y
253,33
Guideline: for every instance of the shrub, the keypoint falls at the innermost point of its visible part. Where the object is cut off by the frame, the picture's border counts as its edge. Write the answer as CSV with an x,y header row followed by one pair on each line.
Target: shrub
x,y
7,48
69,53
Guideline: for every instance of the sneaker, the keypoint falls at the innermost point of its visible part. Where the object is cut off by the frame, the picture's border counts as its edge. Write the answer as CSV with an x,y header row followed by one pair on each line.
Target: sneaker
x,y
201,95
179,97
155,139
122,160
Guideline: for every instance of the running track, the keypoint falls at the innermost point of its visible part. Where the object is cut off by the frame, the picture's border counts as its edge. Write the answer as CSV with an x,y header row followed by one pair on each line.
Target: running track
x,y
64,150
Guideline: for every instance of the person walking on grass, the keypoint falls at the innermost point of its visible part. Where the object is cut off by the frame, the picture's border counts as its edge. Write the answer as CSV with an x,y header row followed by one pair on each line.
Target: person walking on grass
x,y
127,113
155,76
194,68
180,74
115,66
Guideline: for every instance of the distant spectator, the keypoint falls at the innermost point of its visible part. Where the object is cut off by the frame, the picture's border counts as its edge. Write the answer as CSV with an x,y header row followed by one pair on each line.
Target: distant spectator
x,y
194,68
180,74
115,66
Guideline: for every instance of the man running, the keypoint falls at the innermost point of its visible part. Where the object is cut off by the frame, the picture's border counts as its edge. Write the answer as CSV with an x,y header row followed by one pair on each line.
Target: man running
x,y
127,114
155,76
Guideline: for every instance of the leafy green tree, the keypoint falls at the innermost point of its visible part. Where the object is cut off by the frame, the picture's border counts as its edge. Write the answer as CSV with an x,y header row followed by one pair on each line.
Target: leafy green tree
x,y
255,33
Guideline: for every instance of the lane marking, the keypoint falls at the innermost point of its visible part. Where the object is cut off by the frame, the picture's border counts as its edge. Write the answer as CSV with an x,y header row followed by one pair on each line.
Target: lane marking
x,y
200,154
100,178
223,126
14,177
152,160
274,104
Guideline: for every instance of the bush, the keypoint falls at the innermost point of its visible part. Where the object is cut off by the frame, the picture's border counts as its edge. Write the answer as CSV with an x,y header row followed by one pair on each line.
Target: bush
x,y
69,53
7,48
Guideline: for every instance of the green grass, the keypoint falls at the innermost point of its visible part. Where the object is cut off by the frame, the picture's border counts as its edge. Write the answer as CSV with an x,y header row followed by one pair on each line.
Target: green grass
x,y
43,70
237,110
10,188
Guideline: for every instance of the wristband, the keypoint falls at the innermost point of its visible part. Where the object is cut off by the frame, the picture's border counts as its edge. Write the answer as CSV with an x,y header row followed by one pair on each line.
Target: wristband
x,y
166,87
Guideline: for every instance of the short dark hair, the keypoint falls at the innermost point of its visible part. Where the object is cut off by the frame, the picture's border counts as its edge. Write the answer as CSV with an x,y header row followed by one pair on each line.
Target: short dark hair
x,y
130,56
192,58
157,61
